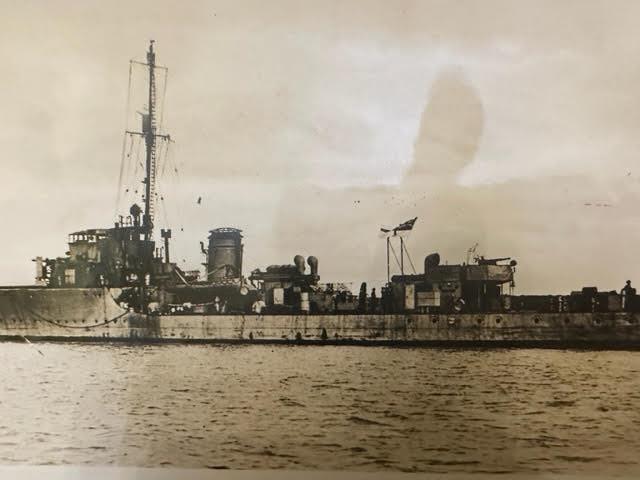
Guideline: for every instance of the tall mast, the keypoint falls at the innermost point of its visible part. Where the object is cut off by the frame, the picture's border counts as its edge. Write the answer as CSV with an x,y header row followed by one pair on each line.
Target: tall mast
x,y
149,131
150,134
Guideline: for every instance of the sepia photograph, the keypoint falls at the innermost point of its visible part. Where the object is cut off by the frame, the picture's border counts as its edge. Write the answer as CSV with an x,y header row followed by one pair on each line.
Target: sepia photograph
x,y
361,239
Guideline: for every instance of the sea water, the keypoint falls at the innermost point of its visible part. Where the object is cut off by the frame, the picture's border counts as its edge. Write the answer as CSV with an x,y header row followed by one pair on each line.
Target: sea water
x,y
315,407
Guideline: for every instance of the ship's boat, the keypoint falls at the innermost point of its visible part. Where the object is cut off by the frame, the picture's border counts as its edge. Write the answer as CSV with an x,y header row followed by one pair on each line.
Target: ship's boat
x,y
118,284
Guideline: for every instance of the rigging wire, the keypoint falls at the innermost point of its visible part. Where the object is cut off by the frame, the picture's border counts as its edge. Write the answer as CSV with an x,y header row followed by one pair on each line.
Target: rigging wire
x,y
132,165
166,160
163,152
137,163
164,94
162,160
122,162
394,254
126,113
171,163
124,141
127,169
162,206
409,256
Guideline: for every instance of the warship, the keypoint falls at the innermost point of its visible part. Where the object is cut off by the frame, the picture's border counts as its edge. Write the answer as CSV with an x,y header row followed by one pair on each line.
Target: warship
x,y
118,284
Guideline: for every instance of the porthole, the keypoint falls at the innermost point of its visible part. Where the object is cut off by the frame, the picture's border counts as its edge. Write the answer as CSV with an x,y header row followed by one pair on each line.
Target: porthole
x,y
434,320
536,320
498,319
480,320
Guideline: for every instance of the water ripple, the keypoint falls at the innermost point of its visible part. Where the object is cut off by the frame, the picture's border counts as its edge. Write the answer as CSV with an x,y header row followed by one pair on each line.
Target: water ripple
x,y
343,408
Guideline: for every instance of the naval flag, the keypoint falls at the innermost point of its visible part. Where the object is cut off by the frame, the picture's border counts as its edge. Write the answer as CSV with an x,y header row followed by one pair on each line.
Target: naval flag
x,y
403,227
408,225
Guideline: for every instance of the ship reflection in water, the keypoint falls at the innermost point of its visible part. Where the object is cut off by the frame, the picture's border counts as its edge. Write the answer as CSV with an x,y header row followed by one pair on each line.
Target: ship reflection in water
x,y
349,408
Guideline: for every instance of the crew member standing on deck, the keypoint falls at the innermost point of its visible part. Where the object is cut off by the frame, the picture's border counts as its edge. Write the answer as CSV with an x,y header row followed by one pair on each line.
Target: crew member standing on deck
x,y
258,305
374,301
628,293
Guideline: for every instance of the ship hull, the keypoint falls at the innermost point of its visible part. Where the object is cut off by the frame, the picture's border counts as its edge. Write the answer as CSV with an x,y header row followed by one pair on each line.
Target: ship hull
x,y
40,314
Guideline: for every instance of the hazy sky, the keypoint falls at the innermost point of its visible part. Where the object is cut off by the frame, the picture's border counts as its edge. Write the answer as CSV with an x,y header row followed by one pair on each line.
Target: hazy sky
x,y
310,124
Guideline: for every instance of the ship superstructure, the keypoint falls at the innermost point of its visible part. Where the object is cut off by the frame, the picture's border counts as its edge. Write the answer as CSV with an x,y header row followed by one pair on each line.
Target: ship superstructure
x,y
125,255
